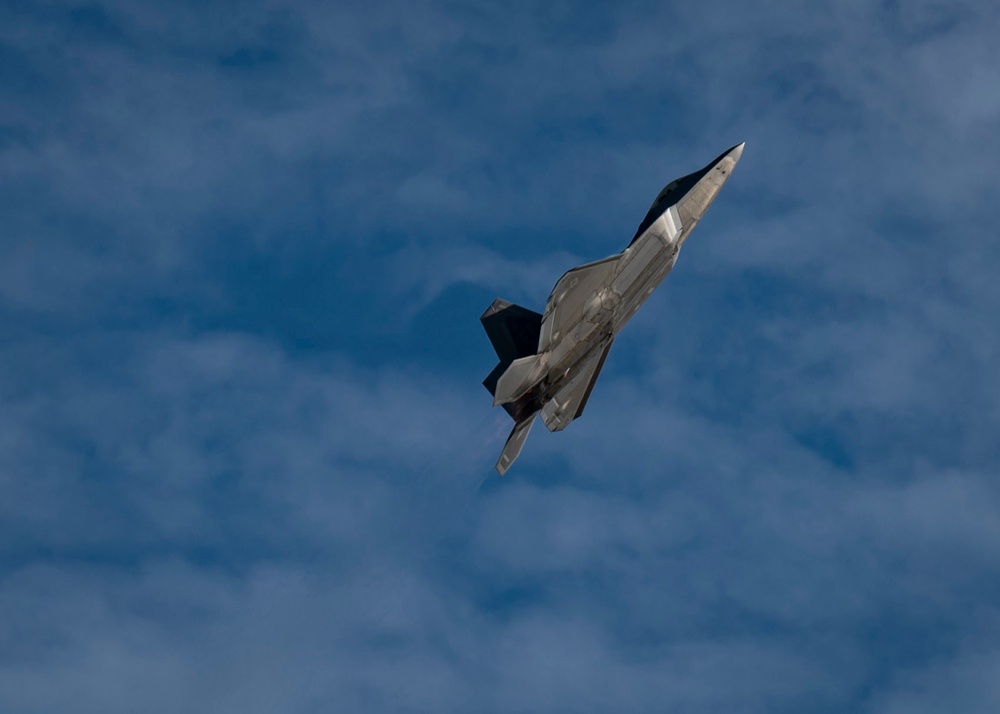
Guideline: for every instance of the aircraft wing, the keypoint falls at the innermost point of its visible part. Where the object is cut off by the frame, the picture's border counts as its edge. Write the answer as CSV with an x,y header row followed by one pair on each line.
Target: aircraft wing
x,y
571,295
569,401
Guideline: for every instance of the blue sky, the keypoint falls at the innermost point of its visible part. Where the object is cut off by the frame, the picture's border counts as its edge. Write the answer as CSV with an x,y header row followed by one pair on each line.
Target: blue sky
x,y
245,456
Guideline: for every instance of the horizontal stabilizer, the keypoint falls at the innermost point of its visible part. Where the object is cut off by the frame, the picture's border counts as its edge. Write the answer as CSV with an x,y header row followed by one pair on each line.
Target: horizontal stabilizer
x,y
520,376
513,332
515,442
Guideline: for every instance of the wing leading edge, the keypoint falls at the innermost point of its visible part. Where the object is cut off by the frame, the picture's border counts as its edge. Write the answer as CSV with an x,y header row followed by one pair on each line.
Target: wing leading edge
x,y
570,296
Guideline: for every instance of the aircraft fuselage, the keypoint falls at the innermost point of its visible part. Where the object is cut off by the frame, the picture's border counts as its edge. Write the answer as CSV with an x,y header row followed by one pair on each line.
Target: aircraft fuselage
x,y
590,304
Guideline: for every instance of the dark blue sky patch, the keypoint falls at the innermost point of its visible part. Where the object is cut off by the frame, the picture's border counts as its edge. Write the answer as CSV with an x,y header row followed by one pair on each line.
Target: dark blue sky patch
x,y
828,444
93,24
564,26
18,73
913,24
447,332
247,58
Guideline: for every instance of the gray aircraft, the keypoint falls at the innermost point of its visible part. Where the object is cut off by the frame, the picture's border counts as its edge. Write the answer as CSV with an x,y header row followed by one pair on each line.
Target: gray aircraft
x,y
549,363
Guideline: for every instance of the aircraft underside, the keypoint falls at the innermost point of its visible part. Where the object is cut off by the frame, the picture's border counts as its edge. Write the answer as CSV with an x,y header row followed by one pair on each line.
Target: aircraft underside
x,y
550,362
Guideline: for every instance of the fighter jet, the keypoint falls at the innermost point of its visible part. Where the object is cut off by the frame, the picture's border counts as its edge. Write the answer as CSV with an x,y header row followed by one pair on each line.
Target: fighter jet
x,y
550,362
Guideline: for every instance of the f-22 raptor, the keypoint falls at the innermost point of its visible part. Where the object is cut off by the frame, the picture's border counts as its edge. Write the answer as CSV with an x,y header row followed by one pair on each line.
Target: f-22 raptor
x,y
549,363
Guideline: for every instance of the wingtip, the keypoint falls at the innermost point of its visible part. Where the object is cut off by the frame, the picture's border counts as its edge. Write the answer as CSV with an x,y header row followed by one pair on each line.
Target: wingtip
x,y
515,442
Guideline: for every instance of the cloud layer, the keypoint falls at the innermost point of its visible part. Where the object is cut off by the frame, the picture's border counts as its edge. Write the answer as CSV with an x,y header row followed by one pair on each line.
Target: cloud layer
x,y
245,459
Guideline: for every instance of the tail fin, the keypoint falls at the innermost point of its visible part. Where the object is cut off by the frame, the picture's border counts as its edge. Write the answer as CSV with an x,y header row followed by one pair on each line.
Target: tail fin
x,y
514,331
515,442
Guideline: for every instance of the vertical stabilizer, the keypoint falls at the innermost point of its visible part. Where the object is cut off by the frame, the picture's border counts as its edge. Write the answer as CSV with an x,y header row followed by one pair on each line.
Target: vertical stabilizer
x,y
515,442
513,331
